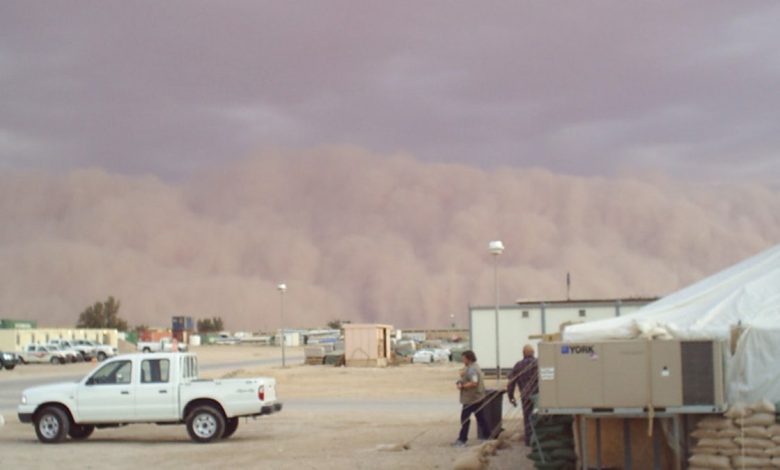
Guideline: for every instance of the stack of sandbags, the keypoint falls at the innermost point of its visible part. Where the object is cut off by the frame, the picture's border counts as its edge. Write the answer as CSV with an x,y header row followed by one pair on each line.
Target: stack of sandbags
x,y
746,436
553,447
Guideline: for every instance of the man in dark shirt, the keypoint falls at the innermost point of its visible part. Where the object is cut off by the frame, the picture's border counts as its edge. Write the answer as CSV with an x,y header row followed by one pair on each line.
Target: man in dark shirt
x,y
525,376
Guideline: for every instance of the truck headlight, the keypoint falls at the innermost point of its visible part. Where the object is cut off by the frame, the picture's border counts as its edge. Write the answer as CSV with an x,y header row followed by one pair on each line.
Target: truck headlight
x,y
24,399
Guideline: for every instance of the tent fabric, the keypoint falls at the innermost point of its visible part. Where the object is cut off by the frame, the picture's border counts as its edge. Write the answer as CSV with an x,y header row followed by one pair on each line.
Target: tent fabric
x,y
747,293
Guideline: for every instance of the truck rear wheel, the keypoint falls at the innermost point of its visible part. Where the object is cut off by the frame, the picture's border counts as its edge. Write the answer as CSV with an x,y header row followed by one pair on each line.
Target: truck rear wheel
x,y
80,432
101,356
51,425
205,424
230,427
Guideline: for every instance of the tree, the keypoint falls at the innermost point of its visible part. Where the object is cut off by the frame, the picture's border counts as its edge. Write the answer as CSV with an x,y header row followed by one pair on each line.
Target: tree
x,y
337,324
102,315
210,325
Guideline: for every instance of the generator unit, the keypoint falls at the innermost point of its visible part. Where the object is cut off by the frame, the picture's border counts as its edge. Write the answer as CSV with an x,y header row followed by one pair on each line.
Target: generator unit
x,y
631,376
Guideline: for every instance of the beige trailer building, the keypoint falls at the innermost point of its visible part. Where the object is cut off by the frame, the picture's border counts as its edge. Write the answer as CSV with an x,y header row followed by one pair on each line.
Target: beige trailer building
x,y
367,345
15,339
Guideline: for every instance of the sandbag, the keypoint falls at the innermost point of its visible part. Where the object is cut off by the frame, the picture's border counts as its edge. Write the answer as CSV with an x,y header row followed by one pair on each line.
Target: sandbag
x,y
698,450
730,451
719,443
710,461
754,443
738,410
705,433
730,433
753,452
776,439
470,461
757,419
715,423
774,430
776,462
773,451
763,406
740,461
488,448
761,432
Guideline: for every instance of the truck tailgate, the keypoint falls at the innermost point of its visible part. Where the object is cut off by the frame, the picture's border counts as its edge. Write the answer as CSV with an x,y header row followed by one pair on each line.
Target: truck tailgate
x,y
238,397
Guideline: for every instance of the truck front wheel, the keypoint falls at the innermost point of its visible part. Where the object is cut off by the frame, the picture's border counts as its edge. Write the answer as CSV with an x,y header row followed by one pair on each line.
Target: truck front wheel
x,y
79,432
101,356
205,424
51,425
230,427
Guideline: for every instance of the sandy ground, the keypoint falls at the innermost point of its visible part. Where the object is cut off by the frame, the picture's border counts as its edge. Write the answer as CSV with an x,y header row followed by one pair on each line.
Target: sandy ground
x,y
333,418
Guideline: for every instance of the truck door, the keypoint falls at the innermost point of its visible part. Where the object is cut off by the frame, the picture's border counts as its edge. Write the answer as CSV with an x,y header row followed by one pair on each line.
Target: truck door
x,y
107,395
155,397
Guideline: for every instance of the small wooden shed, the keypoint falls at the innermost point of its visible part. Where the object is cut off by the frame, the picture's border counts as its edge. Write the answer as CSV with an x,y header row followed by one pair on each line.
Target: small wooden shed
x,y
367,345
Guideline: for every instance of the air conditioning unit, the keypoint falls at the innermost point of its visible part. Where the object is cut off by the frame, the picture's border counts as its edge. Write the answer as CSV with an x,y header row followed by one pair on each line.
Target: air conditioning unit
x,y
630,376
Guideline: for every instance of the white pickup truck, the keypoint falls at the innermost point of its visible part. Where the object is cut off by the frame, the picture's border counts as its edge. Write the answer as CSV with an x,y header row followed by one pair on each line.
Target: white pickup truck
x,y
164,345
160,388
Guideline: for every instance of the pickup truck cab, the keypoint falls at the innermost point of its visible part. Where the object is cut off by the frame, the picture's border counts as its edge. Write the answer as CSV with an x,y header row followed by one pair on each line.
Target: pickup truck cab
x,y
160,388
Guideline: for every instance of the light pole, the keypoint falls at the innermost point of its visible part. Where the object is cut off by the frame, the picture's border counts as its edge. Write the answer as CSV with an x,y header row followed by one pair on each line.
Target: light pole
x,y
496,247
282,289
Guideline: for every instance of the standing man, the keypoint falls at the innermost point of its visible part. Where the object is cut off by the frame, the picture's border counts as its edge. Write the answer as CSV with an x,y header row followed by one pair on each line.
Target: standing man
x,y
472,392
525,376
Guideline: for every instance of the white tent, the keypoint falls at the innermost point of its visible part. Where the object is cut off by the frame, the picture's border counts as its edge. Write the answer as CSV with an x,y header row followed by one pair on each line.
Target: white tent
x,y
747,293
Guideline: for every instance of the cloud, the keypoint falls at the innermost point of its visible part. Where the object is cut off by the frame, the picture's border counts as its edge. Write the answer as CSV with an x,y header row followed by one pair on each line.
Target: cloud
x,y
357,235
592,88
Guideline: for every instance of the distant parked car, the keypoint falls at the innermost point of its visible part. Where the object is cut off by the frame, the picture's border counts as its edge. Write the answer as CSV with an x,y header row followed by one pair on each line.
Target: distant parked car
x,y
101,351
8,360
164,345
71,354
225,338
38,353
87,352
431,355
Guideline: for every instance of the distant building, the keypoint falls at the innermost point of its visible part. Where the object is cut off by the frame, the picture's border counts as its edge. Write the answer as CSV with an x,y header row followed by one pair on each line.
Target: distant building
x,y
15,339
7,324
517,323
367,345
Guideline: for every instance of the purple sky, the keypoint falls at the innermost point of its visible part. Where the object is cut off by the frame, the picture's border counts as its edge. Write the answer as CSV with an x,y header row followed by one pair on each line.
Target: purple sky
x,y
592,88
